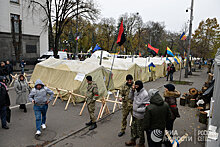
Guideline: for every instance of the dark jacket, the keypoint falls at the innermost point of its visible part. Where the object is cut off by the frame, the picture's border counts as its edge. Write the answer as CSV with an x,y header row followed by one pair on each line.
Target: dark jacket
x,y
9,68
4,97
156,114
172,69
3,71
170,98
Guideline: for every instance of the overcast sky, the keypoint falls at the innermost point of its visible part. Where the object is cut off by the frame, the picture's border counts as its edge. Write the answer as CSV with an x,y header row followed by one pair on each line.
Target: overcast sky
x,y
171,12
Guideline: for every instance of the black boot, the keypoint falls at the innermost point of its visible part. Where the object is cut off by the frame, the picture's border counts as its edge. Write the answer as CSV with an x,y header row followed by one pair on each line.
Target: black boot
x,y
25,109
20,107
5,127
93,126
89,123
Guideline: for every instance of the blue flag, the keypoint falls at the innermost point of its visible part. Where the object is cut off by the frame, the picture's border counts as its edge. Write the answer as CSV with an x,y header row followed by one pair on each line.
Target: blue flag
x,y
151,65
96,48
177,60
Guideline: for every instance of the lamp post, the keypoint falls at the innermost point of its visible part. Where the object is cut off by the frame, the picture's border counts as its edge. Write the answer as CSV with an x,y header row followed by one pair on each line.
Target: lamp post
x,y
189,40
77,33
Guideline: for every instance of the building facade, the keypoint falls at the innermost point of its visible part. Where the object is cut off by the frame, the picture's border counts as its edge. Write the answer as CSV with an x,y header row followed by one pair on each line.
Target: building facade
x,y
23,33
213,140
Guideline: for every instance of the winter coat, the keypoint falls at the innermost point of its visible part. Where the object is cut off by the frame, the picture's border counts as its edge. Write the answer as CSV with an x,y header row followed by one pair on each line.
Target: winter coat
x,y
22,64
172,69
140,99
3,71
40,96
9,68
21,88
4,97
170,98
156,114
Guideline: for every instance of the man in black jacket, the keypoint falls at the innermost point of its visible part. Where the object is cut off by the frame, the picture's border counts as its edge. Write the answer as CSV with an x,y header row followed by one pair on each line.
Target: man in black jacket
x,y
3,71
155,118
4,102
9,69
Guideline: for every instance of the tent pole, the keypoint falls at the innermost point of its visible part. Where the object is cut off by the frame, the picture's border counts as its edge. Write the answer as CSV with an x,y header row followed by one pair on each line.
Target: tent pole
x,y
100,63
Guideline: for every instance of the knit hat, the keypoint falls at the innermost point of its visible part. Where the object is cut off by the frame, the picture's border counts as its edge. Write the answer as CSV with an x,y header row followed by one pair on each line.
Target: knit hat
x,y
140,84
170,87
129,77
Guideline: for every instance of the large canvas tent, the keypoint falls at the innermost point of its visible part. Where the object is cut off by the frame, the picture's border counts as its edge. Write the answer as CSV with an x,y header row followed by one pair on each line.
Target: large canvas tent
x,y
70,75
142,71
120,69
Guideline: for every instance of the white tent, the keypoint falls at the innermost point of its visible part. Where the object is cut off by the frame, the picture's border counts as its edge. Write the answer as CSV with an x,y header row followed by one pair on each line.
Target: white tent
x,y
97,54
70,75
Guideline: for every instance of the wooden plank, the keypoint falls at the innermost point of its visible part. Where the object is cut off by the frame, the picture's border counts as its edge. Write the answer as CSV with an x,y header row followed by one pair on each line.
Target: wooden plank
x,y
83,107
68,102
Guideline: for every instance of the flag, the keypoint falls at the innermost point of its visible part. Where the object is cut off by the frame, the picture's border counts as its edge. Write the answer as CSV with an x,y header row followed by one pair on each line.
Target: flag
x,y
185,53
152,50
177,60
77,38
96,48
139,54
168,59
121,35
151,65
169,52
183,36
89,50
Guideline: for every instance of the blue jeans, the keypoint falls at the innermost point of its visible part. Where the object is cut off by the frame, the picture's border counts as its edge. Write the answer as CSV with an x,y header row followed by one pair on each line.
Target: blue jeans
x,y
3,115
171,76
40,111
22,70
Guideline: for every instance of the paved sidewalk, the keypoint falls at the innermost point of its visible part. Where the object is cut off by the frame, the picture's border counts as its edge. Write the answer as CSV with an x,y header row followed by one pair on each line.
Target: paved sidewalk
x,y
61,123
106,133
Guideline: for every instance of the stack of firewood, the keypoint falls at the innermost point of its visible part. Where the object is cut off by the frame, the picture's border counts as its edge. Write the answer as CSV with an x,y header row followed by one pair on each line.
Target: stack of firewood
x,y
193,96
190,98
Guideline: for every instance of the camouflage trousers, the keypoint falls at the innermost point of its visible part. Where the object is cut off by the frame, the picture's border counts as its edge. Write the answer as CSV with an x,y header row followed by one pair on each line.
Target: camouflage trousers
x,y
91,110
126,109
137,130
153,75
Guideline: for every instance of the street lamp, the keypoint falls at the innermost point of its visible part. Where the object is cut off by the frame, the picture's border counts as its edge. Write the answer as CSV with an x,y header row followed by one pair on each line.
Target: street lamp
x,y
189,40
77,19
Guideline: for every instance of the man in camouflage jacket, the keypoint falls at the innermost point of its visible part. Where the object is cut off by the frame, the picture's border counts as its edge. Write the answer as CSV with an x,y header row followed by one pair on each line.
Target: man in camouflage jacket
x,y
126,103
91,96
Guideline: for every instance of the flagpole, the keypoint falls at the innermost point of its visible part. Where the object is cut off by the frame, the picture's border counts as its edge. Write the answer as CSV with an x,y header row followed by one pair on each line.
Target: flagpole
x,y
77,13
111,70
100,63
189,41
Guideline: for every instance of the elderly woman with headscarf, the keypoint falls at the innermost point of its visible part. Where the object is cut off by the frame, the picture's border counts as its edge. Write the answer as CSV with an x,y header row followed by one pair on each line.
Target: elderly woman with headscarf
x,y
21,88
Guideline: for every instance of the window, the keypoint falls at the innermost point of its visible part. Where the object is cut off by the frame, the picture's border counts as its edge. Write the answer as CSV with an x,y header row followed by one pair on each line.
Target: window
x,y
14,1
31,49
15,20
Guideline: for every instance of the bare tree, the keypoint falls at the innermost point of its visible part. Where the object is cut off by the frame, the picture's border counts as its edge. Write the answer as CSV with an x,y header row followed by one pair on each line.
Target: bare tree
x,y
107,28
60,12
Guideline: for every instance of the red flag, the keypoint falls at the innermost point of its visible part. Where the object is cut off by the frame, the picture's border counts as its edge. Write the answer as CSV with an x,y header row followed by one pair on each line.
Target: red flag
x,y
121,36
139,54
152,49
